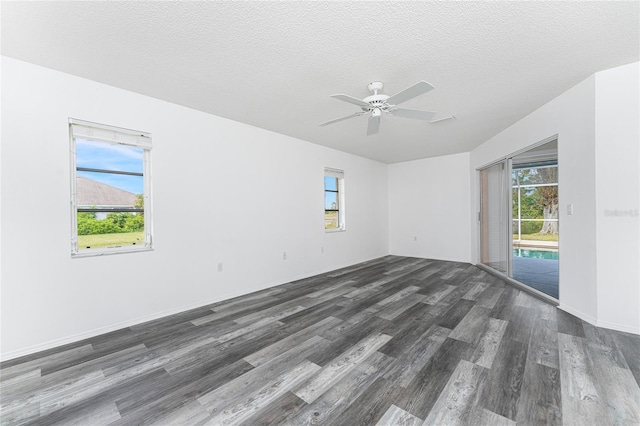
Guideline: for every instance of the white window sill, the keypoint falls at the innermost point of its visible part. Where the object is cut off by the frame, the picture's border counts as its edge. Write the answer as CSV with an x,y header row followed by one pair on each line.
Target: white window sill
x,y
107,252
330,231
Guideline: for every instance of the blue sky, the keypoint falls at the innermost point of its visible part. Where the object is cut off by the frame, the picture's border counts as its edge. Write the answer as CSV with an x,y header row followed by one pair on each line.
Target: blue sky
x,y
101,155
330,183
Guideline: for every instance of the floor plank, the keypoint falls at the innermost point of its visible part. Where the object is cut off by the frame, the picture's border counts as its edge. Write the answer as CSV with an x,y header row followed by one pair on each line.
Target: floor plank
x,y
331,404
331,373
504,383
253,400
395,416
372,404
541,401
629,344
580,399
489,343
457,400
423,391
414,358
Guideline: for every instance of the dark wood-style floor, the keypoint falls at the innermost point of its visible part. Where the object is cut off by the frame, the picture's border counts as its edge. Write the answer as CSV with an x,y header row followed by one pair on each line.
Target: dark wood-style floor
x,y
393,341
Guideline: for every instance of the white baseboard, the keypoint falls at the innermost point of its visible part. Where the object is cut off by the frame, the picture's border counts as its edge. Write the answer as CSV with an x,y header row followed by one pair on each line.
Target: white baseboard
x,y
579,314
141,320
96,332
422,256
619,327
604,324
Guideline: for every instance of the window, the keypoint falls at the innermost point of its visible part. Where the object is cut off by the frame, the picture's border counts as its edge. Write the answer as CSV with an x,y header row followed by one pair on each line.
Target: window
x,y
110,190
333,200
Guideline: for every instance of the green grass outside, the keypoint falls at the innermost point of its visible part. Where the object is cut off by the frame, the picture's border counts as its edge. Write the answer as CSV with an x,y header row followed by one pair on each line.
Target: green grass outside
x,y
537,237
110,240
330,220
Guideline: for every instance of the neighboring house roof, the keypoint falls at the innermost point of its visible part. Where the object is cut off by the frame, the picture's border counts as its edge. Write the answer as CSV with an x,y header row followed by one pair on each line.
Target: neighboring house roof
x,y
92,193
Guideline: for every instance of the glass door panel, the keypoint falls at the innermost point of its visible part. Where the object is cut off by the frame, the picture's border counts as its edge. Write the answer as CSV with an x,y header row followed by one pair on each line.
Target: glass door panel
x,y
494,243
535,219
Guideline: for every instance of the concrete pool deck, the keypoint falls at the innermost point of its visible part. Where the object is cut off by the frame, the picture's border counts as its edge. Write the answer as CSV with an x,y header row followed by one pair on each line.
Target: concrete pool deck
x,y
551,245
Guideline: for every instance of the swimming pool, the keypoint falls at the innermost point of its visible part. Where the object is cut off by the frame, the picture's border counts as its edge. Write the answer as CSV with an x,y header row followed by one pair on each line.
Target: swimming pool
x,y
536,254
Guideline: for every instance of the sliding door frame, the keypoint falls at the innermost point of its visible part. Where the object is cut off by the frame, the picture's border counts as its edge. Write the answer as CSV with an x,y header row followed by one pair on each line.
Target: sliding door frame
x,y
507,160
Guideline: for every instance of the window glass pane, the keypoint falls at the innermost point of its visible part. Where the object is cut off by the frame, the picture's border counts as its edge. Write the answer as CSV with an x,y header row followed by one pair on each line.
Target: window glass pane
x,y
534,260
530,207
536,230
331,220
330,183
108,190
105,229
106,156
539,202
331,201
537,175
528,227
102,229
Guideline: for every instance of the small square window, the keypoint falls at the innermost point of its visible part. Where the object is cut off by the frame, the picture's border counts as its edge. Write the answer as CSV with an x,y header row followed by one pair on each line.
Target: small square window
x,y
110,190
334,200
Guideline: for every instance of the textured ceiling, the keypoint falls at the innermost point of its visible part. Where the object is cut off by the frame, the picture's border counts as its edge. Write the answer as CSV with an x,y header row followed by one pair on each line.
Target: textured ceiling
x,y
274,64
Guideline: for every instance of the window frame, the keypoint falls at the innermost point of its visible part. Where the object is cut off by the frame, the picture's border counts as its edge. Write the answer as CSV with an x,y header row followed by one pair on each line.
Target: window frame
x,y
339,175
113,135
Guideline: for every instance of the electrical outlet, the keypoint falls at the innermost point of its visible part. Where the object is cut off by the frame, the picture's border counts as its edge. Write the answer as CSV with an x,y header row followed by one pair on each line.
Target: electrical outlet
x,y
322,249
415,238
220,266
284,255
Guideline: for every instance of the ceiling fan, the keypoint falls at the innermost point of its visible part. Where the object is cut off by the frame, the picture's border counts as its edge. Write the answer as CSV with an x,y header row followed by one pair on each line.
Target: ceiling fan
x,y
379,103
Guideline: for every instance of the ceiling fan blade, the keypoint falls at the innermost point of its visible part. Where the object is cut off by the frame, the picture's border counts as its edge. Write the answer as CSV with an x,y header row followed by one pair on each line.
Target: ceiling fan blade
x,y
351,100
417,89
413,113
450,117
373,126
341,118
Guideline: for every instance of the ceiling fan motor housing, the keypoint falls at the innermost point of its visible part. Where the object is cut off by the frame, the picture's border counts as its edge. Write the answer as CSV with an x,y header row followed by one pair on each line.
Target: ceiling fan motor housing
x,y
376,101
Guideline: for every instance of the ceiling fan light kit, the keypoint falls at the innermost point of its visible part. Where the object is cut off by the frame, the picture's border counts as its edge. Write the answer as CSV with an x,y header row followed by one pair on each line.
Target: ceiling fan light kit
x,y
379,103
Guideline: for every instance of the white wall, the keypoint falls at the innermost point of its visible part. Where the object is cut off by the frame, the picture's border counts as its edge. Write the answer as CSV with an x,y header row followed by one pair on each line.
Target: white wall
x,y
222,192
429,208
599,279
618,197
571,116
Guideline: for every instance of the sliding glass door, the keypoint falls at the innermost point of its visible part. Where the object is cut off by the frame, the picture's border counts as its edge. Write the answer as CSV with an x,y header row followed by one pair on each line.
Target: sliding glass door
x,y
518,218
